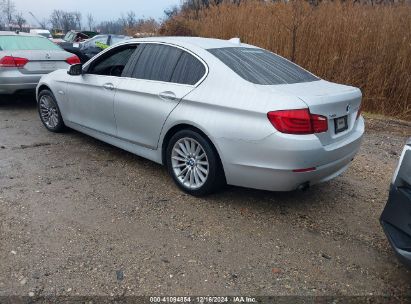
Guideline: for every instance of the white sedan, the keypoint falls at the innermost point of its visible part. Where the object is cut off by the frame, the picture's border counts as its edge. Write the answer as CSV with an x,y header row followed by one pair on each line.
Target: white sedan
x,y
213,111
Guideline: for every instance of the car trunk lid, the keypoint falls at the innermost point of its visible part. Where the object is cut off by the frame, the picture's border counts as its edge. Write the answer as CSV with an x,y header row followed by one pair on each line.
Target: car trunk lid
x,y
42,62
334,101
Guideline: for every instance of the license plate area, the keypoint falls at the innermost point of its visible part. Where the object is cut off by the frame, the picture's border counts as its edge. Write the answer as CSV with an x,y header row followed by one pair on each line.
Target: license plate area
x,y
48,65
341,124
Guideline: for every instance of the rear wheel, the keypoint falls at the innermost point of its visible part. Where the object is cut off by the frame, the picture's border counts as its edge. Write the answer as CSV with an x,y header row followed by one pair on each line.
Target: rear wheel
x,y
193,163
49,112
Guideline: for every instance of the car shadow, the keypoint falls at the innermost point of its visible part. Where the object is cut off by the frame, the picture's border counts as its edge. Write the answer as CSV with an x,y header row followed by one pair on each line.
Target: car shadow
x,y
24,101
267,200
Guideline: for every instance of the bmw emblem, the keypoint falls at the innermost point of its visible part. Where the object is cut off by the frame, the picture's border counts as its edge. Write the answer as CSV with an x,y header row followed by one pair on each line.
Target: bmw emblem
x,y
348,108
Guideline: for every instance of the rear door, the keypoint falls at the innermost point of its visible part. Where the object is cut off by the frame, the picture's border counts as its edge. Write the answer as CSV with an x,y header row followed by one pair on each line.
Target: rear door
x,y
90,97
162,75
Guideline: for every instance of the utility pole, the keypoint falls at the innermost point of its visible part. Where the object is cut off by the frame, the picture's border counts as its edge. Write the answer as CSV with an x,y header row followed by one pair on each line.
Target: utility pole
x,y
37,20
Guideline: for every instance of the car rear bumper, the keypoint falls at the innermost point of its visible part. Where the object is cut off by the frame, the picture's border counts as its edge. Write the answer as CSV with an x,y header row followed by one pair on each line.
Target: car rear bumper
x,y
13,81
396,222
269,164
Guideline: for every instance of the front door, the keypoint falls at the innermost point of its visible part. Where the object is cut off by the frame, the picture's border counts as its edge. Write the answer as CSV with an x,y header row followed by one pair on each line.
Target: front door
x,y
90,99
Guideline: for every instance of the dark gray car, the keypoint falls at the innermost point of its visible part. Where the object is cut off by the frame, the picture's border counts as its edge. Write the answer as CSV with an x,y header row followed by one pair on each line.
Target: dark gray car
x,y
87,49
396,217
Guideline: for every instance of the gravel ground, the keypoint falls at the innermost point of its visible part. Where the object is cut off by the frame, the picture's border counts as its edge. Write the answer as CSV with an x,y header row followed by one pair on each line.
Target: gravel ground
x,y
80,217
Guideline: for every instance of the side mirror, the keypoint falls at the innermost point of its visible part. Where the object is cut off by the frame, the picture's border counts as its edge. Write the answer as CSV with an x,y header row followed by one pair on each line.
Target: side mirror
x,y
75,70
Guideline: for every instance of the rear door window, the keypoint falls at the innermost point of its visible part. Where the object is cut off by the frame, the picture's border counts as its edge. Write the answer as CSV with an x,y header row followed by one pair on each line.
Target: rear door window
x,y
262,67
189,70
35,43
157,62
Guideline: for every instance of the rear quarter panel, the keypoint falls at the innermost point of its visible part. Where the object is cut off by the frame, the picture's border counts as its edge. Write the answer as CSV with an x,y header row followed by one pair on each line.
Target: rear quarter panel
x,y
226,106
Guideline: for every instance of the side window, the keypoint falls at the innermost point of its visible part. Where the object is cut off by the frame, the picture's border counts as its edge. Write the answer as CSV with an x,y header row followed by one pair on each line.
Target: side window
x,y
157,62
189,70
95,41
114,62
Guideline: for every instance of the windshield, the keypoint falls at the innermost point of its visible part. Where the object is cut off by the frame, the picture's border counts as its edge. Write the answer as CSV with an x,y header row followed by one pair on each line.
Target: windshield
x,y
68,36
15,43
262,67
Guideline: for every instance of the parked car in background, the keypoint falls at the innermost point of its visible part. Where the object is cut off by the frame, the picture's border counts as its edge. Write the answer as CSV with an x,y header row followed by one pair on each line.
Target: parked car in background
x,y
396,217
91,47
41,32
24,58
76,36
212,111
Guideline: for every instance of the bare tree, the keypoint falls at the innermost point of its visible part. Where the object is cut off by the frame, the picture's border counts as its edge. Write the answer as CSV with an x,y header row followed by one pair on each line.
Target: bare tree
x,y
298,14
90,21
20,20
131,18
171,12
111,27
77,17
43,23
65,21
8,8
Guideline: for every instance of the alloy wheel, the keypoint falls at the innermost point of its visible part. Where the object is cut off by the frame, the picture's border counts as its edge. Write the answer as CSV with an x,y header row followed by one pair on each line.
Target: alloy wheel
x,y
190,163
49,112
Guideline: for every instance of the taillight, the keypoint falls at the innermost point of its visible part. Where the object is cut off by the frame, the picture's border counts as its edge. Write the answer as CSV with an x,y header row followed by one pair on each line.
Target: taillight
x,y
298,121
13,62
319,123
73,60
359,112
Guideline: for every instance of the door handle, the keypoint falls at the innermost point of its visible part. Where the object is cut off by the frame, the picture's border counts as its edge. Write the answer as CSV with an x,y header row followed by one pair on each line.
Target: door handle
x,y
167,95
108,86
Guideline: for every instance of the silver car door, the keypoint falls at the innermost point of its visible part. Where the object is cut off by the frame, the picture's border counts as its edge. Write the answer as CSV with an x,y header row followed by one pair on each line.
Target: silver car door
x,y
90,97
160,78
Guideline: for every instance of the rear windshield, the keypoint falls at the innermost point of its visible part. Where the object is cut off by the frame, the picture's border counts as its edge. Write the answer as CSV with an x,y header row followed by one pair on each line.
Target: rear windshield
x,y
15,43
262,67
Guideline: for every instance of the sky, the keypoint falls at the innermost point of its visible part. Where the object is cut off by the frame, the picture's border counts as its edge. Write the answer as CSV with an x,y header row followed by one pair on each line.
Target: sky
x,y
101,9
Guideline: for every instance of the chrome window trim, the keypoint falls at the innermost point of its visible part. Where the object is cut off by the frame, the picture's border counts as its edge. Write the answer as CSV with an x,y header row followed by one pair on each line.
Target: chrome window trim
x,y
155,42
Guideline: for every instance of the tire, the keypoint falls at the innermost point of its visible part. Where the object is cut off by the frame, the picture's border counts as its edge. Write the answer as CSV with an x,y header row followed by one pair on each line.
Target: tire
x,y
49,112
193,163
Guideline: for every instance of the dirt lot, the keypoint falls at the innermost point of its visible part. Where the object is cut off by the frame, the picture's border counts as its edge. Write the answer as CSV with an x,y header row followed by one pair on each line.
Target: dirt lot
x,y
80,217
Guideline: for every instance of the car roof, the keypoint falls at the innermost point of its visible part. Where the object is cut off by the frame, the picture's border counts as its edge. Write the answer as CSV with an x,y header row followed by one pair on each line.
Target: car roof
x,y
10,33
204,43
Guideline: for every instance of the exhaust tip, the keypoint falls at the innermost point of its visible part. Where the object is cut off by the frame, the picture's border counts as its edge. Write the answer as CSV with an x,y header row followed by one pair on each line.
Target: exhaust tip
x,y
304,187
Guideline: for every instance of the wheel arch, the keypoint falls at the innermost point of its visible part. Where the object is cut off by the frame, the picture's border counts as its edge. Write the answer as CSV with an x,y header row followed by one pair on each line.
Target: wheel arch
x,y
185,126
42,87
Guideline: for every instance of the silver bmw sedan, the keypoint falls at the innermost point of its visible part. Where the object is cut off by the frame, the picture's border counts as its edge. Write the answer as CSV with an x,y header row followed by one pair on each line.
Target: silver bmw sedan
x,y
212,111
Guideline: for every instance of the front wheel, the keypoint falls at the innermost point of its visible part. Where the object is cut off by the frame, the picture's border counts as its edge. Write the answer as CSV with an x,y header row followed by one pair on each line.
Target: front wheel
x,y
193,163
49,112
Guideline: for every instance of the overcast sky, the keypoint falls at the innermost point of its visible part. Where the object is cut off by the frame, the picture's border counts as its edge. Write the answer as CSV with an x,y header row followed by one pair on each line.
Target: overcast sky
x,y
101,9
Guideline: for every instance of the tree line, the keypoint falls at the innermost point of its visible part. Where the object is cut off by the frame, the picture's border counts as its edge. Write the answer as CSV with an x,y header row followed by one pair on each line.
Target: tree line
x,y
127,23
60,20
